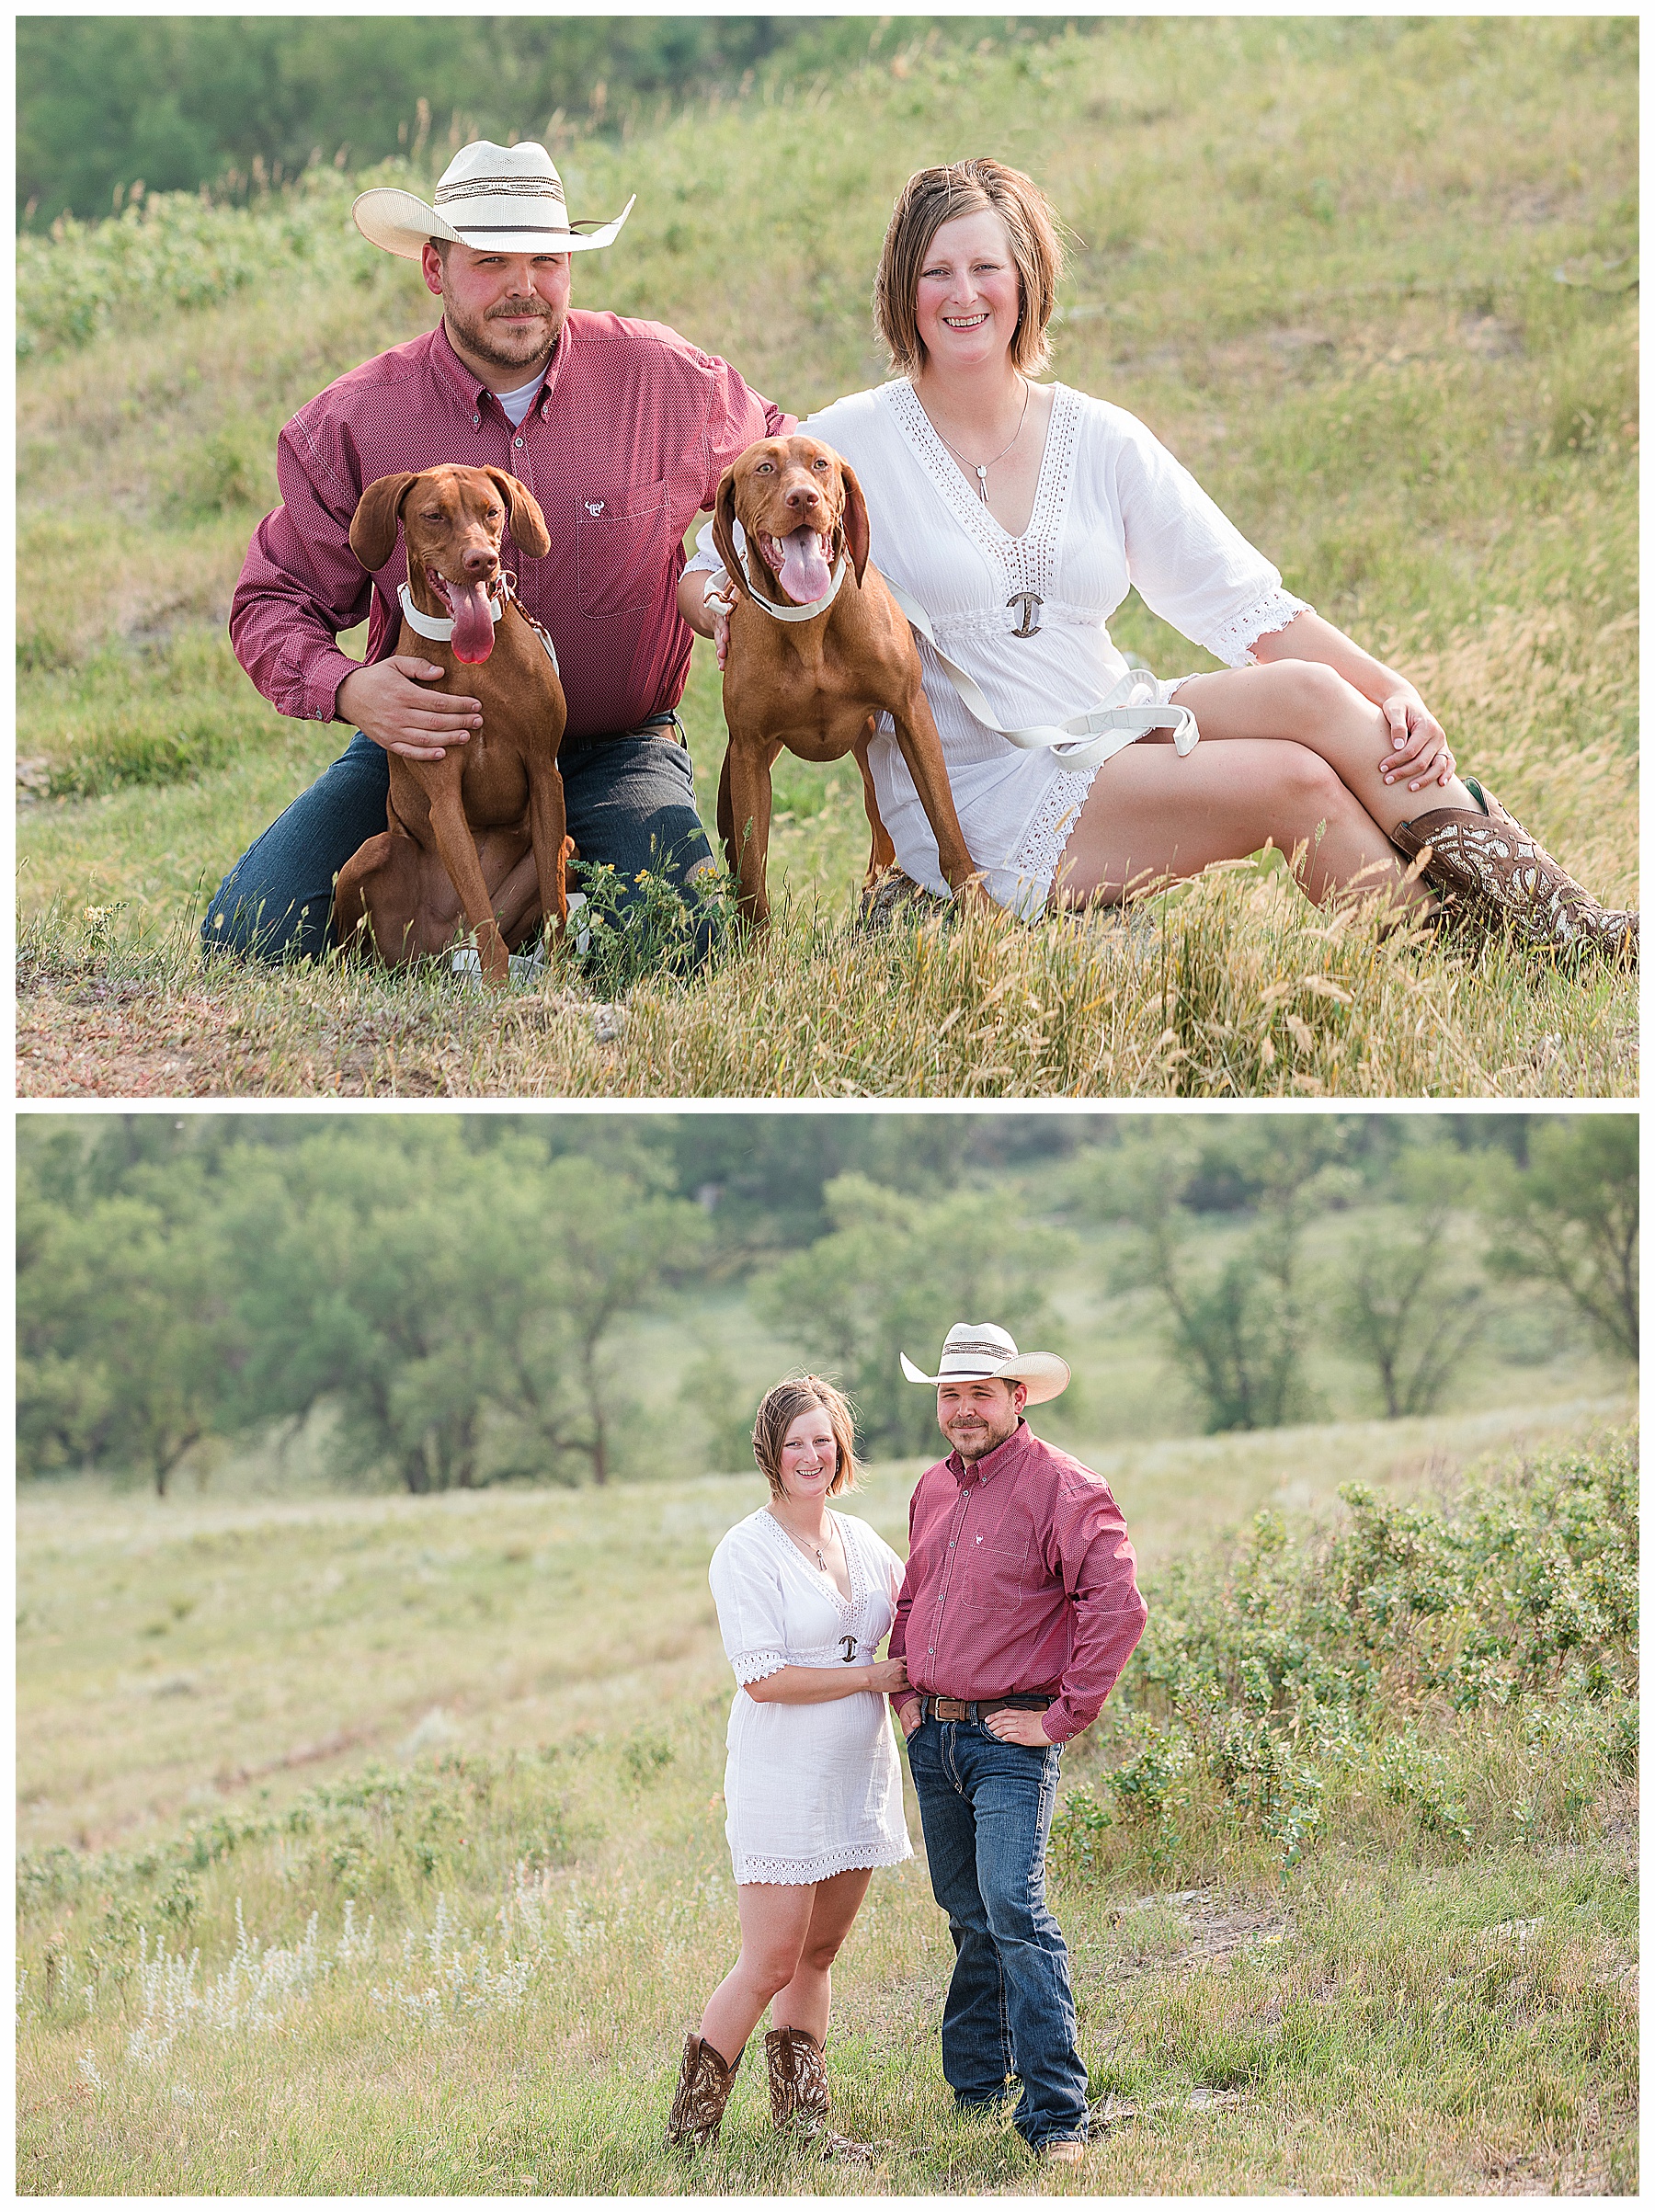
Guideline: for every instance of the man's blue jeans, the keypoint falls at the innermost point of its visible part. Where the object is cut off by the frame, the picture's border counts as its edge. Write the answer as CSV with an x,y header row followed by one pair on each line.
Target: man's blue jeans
x,y
631,802
986,1809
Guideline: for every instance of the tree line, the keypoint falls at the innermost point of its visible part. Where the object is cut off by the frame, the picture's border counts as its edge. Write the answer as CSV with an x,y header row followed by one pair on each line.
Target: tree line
x,y
229,102
457,1291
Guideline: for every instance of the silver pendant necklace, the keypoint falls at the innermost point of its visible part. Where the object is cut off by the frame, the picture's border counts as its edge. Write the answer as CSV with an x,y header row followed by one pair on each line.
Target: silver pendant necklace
x,y
980,468
811,1550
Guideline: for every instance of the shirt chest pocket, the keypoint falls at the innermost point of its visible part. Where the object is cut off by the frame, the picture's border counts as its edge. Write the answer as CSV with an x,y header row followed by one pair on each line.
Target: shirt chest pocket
x,y
993,1574
621,543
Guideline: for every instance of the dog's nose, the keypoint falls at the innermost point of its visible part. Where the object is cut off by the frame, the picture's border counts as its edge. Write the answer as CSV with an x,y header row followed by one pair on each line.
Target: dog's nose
x,y
477,562
803,497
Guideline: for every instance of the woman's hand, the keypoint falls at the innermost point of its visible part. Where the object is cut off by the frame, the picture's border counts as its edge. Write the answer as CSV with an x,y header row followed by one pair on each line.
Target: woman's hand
x,y
720,610
704,599
888,1676
1418,742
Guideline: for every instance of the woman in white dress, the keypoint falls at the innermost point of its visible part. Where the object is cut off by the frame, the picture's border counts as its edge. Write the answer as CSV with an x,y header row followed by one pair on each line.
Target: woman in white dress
x,y
1018,516
813,1790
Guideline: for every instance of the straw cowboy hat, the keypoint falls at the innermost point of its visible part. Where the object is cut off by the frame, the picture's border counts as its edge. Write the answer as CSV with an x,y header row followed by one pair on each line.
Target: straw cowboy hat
x,y
977,1351
496,200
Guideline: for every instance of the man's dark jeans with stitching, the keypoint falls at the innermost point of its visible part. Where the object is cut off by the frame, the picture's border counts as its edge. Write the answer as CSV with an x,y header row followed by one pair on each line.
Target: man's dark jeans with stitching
x,y
986,1809
631,802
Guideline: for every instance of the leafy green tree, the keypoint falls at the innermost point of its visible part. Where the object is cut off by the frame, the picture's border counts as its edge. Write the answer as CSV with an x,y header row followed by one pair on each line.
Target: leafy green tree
x,y
457,1307
1403,1300
1571,1219
893,1274
713,1389
127,1339
1238,1328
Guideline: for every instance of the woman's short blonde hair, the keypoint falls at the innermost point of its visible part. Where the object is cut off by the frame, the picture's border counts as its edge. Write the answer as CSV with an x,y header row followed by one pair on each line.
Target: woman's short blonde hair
x,y
783,1406
931,198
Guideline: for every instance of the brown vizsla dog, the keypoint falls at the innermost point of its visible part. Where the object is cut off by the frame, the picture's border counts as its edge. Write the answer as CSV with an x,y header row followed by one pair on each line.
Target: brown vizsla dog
x,y
481,833
815,686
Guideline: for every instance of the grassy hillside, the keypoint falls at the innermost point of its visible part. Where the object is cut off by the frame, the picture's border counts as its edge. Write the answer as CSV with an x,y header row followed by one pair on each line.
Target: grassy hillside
x,y
377,1844
1367,278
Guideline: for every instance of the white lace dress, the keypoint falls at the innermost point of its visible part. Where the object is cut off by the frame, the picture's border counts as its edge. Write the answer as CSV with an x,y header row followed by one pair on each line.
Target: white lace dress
x,y
809,1790
1113,509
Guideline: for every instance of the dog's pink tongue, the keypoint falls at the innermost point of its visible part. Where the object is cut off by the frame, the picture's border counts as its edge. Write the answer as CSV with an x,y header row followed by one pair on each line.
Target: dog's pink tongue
x,y
473,625
804,573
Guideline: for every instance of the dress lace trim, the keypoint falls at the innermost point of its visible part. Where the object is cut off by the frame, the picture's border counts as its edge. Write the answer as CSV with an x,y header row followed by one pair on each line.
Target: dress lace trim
x,y
1029,562
1233,645
853,1566
753,1666
1044,840
751,1867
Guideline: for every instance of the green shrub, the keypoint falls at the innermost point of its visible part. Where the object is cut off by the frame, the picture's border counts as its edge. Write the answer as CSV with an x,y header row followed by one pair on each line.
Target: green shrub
x,y
1398,1660
178,251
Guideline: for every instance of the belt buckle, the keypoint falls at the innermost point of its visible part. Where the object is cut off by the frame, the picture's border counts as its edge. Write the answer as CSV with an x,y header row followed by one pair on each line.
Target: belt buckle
x,y
1028,620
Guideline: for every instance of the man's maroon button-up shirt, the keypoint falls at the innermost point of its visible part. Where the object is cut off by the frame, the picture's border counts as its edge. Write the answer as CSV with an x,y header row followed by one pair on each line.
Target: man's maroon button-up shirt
x,y
1021,1578
623,448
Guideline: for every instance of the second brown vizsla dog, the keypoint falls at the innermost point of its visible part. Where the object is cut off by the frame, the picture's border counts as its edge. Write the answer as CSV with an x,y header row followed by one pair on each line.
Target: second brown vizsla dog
x,y
814,685
480,833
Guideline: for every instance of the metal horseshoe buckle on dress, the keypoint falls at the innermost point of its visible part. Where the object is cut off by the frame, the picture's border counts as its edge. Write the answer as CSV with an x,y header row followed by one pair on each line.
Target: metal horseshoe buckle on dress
x,y
1028,621
847,1645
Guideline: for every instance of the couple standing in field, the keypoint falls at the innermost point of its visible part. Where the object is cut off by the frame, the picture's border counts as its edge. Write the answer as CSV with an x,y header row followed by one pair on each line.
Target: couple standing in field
x,y
1017,515
1017,1611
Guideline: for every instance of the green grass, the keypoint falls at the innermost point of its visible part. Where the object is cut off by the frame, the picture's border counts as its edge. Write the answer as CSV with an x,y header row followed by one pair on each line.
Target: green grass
x,y
1365,277
376,1845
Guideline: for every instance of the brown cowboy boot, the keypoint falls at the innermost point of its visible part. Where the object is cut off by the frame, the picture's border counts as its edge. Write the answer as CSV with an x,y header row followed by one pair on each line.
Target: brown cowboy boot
x,y
1489,862
798,2087
703,2091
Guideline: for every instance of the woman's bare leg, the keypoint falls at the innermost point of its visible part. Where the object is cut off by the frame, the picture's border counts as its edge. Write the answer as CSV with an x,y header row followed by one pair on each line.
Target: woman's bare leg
x,y
1313,705
809,1996
1152,814
791,1932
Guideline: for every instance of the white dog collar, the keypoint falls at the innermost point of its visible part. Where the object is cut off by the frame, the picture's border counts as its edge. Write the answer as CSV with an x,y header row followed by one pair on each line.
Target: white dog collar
x,y
434,625
806,613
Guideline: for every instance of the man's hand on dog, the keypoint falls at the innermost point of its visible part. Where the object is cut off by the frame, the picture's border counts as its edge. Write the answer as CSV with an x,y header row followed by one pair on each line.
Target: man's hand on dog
x,y
388,702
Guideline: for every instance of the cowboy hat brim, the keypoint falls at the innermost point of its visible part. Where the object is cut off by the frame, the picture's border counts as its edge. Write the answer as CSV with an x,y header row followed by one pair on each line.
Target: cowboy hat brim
x,y
402,224
1045,1374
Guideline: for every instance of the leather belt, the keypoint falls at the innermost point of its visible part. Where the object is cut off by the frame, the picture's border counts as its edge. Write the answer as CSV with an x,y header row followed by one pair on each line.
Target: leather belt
x,y
654,726
975,1709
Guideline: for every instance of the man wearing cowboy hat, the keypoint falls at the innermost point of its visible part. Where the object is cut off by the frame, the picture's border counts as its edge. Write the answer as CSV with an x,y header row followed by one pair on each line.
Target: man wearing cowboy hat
x,y
620,429
1019,1610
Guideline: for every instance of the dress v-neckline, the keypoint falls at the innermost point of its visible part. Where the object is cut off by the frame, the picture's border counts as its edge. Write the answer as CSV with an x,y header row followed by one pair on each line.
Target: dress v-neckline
x,y
820,1574
945,472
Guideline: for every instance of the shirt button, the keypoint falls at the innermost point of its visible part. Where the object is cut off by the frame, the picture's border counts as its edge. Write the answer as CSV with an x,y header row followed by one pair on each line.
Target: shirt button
x,y
476,422
516,441
931,1653
951,1544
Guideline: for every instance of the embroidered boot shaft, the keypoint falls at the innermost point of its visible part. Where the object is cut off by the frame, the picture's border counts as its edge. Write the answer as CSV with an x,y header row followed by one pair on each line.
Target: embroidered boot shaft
x,y
703,2091
799,2099
1489,864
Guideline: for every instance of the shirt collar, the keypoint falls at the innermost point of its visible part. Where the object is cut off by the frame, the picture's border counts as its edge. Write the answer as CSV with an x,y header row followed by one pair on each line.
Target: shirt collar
x,y
991,1463
473,393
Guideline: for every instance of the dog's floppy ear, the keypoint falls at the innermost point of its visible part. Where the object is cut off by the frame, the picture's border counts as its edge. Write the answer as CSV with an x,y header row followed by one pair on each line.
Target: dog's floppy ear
x,y
855,520
374,526
724,530
523,513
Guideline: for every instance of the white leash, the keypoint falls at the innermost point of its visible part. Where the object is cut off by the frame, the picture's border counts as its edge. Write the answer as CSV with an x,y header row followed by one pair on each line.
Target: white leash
x,y
1084,740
